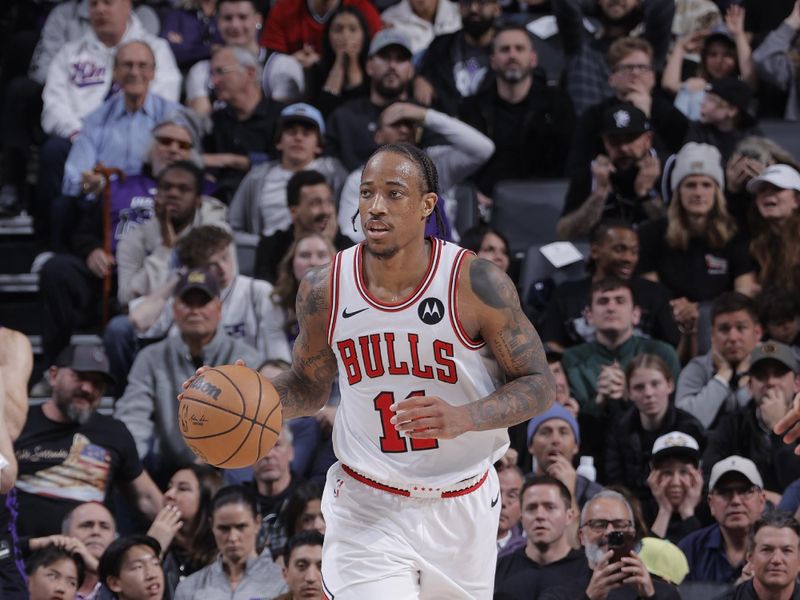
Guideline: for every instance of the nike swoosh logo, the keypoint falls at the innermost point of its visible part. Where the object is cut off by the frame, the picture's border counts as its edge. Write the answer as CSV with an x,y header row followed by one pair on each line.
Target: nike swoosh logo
x,y
494,502
347,315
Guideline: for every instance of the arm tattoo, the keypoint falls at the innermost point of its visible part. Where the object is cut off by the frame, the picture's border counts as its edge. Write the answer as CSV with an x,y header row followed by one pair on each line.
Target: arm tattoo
x,y
305,387
518,350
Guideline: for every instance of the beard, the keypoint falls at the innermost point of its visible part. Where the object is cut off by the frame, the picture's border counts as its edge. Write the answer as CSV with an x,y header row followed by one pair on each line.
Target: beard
x,y
390,92
594,554
74,414
628,21
514,74
475,28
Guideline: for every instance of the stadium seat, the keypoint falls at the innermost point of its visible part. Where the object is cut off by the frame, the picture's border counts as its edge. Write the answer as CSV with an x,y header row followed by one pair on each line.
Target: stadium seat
x,y
527,211
246,244
785,133
466,207
538,277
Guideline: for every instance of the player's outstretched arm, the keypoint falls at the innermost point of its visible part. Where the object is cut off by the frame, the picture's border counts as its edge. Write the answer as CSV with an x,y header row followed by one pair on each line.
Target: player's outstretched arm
x,y
490,306
305,387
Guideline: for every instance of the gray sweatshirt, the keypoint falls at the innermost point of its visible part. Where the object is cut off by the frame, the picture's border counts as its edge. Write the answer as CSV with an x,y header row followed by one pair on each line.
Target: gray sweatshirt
x,y
705,396
773,64
149,406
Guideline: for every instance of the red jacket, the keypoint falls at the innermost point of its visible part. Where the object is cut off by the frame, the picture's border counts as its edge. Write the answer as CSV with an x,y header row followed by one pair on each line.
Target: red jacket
x,y
289,25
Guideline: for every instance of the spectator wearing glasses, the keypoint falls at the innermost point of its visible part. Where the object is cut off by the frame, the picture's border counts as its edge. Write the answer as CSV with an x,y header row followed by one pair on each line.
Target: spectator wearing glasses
x,y
118,132
239,24
243,127
604,577
71,281
717,553
586,69
631,79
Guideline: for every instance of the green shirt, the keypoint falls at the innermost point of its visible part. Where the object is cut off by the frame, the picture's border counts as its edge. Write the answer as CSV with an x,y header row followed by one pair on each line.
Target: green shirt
x,y
582,365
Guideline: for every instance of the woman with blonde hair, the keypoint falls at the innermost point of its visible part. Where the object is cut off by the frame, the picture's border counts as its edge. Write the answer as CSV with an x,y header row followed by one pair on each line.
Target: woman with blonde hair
x,y
695,250
305,253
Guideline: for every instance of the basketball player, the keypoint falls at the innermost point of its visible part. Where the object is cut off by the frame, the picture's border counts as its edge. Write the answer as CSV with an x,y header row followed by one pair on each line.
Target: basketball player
x,y
412,507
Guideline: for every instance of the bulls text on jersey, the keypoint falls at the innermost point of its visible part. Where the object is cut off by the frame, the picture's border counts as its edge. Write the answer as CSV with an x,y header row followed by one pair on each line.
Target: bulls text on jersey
x,y
376,355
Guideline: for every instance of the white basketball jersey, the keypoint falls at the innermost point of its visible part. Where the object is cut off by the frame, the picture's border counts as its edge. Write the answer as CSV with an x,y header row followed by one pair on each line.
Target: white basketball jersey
x,y
389,352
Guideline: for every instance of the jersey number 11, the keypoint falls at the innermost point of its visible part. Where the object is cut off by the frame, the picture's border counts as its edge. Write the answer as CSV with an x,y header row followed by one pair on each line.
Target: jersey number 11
x,y
391,440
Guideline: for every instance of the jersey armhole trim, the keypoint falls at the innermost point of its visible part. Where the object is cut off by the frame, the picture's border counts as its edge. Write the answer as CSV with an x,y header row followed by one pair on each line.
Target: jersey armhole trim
x,y
458,328
334,294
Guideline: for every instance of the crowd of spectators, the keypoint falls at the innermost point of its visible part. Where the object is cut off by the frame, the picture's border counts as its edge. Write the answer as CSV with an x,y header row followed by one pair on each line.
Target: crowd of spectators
x,y
158,143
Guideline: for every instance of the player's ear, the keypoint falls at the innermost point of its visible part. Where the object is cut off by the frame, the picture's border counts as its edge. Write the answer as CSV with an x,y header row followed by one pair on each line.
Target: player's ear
x,y
429,201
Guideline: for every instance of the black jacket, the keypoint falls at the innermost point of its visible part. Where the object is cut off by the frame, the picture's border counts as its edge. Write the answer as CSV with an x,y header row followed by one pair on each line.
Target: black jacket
x,y
627,458
541,140
745,591
437,67
741,433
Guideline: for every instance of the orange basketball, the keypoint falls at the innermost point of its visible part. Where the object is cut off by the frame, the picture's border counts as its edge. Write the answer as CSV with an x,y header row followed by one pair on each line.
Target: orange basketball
x,y
230,416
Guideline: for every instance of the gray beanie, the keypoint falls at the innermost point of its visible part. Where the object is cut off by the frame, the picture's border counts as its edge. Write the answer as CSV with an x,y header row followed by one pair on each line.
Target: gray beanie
x,y
697,159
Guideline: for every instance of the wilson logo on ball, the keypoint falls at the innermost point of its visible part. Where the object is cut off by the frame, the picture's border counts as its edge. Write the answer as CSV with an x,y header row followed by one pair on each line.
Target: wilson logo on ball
x,y
205,387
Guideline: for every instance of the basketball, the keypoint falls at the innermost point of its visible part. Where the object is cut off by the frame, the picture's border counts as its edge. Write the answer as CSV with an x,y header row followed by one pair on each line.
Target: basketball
x,y
230,416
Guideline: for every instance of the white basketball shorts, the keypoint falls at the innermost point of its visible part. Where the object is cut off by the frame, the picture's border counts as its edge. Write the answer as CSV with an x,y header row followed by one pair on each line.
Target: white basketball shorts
x,y
382,545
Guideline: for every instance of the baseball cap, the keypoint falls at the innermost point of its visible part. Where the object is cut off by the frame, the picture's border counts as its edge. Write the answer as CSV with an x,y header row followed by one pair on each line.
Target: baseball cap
x,y
86,358
556,411
719,33
782,176
736,93
197,279
665,559
302,113
697,159
390,37
624,119
735,464
675,444
774,351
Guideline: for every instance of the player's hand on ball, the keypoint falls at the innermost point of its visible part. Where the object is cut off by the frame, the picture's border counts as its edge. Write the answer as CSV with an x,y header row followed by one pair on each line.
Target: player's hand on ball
x,y
186,384
427,417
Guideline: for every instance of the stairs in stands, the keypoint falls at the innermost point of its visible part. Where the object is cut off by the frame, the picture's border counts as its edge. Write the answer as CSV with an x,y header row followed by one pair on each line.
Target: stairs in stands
x,y
21,306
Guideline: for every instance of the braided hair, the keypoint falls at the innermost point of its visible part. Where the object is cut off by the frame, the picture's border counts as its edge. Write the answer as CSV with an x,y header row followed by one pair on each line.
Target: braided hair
x,y
430,177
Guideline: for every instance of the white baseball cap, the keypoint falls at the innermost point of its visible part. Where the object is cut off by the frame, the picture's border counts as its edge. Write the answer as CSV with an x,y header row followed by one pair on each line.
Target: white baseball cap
x,y
782,176
678,444
735,464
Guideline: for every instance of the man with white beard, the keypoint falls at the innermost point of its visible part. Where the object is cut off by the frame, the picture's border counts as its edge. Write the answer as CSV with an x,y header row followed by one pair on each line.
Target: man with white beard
x,y
606,578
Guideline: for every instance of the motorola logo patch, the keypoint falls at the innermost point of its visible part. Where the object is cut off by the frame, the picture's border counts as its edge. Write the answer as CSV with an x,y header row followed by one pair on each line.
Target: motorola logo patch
x,y
431,311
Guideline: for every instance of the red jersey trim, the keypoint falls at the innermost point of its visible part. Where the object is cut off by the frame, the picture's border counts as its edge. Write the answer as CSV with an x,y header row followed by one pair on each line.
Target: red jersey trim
x,y
433,264
334,291
458,328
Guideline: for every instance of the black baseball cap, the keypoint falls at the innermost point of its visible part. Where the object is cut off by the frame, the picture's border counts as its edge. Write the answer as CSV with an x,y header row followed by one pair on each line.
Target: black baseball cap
x,y
198,279
86,358
736,93
624,119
